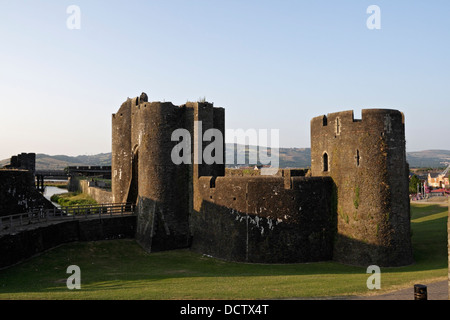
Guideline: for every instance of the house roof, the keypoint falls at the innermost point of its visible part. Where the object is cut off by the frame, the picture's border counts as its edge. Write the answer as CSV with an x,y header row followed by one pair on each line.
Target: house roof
x,y
439,190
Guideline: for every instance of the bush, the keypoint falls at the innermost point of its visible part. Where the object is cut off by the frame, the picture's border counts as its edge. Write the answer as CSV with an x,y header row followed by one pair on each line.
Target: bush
x,y
73,199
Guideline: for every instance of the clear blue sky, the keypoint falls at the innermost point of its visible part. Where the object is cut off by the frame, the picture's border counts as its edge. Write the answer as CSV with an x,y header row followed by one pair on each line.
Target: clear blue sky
x,y
271,64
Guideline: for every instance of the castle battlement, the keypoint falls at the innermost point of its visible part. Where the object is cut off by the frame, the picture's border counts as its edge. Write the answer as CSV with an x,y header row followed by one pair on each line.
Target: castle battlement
x,y
273,197
384,121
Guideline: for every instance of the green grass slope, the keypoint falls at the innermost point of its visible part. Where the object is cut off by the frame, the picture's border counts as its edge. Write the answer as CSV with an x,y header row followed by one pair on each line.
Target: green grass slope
x,y
120,269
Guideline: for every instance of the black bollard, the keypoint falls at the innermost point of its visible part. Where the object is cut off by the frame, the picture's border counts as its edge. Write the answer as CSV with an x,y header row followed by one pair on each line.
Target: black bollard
x,y
420,292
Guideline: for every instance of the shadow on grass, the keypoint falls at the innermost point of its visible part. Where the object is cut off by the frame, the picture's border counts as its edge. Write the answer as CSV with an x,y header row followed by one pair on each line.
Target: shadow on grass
x,y
123,265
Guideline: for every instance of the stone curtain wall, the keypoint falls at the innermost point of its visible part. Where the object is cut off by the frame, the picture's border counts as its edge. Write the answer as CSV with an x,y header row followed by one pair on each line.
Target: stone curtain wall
x,y
258,219
98,194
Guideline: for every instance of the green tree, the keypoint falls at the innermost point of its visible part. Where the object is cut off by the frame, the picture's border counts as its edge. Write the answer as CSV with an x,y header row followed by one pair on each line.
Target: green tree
x,y
413,184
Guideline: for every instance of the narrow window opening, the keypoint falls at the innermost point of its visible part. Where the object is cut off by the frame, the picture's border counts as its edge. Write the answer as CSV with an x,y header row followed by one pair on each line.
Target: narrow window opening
x,y
338,126
325,162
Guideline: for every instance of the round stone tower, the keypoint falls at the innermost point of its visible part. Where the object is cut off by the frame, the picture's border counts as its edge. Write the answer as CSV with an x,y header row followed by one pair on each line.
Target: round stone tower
x,y
161,186
367,160
144,173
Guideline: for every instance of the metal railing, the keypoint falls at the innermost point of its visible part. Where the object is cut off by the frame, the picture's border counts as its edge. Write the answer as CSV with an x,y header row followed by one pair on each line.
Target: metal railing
x,y
109,210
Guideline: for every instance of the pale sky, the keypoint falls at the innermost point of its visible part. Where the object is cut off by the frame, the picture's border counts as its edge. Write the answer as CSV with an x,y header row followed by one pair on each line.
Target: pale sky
x,y
270,64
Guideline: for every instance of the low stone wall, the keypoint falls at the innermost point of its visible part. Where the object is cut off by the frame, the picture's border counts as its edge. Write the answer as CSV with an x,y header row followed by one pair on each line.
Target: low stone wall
x,y
18,247
99,195
88,187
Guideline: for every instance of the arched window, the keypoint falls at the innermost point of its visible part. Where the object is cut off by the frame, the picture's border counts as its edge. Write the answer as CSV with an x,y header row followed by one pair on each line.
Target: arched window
x,y
325,162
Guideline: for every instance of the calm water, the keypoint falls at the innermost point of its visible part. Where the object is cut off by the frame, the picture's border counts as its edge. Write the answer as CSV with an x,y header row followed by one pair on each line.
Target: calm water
x,y
49,191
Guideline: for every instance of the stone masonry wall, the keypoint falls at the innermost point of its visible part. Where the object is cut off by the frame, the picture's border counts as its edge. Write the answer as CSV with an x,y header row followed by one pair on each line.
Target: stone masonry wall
x,y
121,152
354,208
20,246
265,219
18,193
143,171
367,161
162,202
99,195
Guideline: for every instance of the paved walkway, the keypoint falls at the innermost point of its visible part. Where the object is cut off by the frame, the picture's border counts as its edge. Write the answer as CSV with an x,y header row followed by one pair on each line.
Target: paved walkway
x,y
435,291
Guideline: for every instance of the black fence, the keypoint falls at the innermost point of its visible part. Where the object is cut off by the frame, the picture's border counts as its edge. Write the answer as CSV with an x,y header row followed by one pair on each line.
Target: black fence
x,y
109,210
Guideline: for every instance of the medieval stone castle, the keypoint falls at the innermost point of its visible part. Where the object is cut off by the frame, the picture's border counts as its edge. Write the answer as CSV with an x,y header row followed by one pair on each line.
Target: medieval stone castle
x,y
352,206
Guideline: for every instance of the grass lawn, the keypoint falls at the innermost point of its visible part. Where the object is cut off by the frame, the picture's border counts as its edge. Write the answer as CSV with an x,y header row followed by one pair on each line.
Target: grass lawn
x,y
73,199
120,269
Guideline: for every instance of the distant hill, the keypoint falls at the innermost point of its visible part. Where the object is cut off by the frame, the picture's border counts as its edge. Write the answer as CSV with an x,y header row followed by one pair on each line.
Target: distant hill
x,y
301,158
59,162
288,158
428,158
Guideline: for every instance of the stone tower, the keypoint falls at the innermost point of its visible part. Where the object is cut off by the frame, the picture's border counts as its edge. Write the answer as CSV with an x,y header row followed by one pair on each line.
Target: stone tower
x,y
144,172
367,160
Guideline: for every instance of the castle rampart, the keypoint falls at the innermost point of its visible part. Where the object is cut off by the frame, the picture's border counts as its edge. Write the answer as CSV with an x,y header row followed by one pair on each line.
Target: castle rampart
x,y
265,219
24,161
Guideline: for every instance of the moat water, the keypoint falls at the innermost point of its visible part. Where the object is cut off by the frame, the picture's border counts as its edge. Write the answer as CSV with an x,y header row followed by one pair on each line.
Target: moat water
x,y
50,191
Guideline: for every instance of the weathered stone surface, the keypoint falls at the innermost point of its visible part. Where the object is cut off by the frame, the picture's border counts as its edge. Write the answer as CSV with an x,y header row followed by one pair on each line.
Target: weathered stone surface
x,y
24,161
144,173
18,193
367,161
143,97
354,208
100,195
121,160
257,219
